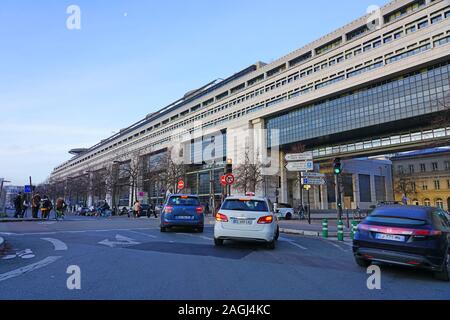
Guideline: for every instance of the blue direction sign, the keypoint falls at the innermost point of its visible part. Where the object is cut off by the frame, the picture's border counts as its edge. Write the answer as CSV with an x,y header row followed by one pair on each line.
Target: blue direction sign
x,y
28,189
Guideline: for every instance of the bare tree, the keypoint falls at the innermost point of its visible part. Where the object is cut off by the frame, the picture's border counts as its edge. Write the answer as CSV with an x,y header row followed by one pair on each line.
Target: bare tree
x,y
249,174
404,185
174,171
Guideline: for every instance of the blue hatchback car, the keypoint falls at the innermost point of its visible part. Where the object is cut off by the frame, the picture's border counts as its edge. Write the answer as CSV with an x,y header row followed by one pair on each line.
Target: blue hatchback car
x,y
181,210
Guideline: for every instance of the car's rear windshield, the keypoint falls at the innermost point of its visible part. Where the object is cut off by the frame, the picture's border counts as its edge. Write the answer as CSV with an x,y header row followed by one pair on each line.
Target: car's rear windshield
x,y
283,205
396,221
245,205
183,201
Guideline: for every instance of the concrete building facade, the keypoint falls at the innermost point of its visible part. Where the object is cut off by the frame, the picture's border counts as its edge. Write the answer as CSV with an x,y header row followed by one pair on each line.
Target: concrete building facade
x,y
384,75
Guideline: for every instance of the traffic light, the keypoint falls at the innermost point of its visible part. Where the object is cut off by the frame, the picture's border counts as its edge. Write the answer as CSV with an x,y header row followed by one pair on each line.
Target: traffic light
x,y
337,166
229,166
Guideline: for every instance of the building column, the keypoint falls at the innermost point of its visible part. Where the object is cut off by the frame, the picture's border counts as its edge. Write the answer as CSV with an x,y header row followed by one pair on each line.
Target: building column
x,y
90,200
283,174
373,191
324,196
356,197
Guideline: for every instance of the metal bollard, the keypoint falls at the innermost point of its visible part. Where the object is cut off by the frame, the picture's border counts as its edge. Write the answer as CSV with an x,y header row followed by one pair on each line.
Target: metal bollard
x,y
353,229
340,233
325,228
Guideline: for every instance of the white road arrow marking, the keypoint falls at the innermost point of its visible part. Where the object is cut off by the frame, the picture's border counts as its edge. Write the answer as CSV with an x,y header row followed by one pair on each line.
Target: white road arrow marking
x,y
29,268
58,244
121,240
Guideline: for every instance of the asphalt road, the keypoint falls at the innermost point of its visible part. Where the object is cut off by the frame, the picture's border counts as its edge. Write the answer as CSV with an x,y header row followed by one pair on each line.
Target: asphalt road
x,y
123,258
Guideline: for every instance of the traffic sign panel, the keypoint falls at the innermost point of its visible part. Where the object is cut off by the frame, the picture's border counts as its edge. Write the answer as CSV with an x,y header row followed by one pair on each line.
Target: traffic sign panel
x,y
180,185
313,175
313,182
229,178
300,166
305,156
223,180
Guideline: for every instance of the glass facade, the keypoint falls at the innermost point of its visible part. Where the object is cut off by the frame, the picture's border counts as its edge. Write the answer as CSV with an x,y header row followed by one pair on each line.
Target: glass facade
x,y
365,192
409,96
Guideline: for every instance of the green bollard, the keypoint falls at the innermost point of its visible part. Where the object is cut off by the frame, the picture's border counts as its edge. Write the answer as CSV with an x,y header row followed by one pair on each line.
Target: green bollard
x,y
340,233
325,228
353,229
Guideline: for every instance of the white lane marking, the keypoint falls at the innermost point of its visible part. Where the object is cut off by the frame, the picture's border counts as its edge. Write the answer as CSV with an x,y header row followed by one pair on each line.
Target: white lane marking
x,y
335,245
121,240
70,231
144,234
24,254
292,243
29,268
47,222
58,244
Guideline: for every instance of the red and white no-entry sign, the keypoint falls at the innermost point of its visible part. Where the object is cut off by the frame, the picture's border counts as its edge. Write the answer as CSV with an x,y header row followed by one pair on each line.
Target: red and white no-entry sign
x,y
223,180
180,185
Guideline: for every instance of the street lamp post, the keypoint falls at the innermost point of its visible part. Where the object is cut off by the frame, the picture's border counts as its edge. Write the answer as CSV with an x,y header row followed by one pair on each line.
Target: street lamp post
x,y
3,181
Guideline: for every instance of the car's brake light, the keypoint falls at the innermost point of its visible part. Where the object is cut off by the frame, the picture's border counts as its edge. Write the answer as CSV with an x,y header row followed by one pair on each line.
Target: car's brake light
x,y
199,210
221,217
265,220
424,233
168,209
399,231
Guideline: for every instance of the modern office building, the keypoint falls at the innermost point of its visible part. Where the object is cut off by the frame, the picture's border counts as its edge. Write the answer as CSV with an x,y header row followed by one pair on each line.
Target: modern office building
x,y
373,86
426,175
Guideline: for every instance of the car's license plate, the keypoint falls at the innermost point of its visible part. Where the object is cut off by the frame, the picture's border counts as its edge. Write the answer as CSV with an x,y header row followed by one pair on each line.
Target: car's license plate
x,y
183,217
391,237
241,221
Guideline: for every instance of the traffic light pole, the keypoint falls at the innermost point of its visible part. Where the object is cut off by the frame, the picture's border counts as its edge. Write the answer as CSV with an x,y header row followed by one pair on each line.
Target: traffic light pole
x,y
339,197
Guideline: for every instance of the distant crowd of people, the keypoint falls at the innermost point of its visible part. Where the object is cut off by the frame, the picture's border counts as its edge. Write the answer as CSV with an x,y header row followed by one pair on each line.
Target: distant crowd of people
x,y
38,203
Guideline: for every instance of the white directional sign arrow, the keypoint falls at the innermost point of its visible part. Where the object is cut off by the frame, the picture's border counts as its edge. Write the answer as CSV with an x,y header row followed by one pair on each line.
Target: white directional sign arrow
x,y
300,166
313,182
313,175
121,241
306,156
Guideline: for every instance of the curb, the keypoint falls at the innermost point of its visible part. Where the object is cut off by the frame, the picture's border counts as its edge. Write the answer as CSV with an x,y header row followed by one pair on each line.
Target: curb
x,y
309,233
20,220
2,244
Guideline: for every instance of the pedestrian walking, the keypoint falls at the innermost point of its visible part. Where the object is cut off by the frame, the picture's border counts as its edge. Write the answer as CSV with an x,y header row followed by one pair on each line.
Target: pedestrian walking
x,y
46,207
206,208
18,204
137,209
25,206
151,210
35,205
60,208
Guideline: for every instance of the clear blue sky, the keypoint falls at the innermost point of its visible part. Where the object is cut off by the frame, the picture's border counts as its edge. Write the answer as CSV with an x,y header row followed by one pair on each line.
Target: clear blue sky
x,y
63,88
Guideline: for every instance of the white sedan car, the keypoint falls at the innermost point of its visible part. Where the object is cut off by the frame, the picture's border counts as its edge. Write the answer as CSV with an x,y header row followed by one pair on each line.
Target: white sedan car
x,y
246,218
284,211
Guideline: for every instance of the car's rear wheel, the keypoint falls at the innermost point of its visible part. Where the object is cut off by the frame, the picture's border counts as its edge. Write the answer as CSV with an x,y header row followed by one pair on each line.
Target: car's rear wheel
x,y
277,235
288,216
163,229
362,262
444,274
218,242
200,229
272,244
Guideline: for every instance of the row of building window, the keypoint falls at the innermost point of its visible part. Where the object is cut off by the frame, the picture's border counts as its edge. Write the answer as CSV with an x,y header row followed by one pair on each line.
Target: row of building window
x,y
424,186
423,167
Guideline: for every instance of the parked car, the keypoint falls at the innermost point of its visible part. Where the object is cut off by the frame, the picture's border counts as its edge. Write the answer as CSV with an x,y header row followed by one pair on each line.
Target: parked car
x,y
182,210
413,236
284,211
246,218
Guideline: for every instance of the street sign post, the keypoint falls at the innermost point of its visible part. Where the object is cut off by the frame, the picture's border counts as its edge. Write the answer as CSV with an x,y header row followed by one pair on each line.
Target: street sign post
x,y
305,156
300,166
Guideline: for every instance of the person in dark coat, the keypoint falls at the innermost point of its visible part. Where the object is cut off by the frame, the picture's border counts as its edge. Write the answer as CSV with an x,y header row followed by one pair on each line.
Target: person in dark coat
x,y
18,205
